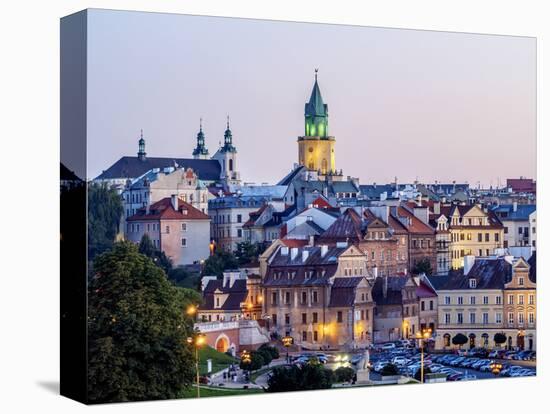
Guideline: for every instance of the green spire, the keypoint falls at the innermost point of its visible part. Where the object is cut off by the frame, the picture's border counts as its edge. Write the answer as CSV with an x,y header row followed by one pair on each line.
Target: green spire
x,y
201,146
228,140
316,113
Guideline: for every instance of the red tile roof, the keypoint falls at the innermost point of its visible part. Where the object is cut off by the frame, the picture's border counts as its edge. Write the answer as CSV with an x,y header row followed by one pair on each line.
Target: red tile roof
x,y
163,210
417,225
321,202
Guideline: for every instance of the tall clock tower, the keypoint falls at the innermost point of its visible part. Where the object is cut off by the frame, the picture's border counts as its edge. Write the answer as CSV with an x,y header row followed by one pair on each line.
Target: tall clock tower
x,y
316,147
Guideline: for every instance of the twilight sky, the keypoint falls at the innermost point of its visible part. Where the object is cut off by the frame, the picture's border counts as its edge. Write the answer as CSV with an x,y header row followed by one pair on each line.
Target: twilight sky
x,y
406,103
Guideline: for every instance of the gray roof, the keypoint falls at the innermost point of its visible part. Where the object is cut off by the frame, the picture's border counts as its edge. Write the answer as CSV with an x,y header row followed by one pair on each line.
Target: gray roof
x,y
133,167
489,273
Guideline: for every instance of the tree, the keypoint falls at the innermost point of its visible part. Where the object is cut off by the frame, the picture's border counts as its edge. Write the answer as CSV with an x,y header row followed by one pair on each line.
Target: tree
x,y
423,266
104,214
272,350
255,362
147,248
417,374
499,338
389,369
344,374
248,252
294,378
459,339
218,262
137,330
182,277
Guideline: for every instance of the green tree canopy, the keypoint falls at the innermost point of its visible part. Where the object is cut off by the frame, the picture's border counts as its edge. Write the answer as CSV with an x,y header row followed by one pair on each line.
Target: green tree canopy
x,y
147,248
389,369
104,214
137,330
248,252
294,378
255,362
218,262
423,266
459,339
271,349
499,338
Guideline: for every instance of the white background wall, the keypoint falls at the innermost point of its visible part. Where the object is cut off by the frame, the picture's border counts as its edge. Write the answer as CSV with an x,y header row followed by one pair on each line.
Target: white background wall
x,y
29,298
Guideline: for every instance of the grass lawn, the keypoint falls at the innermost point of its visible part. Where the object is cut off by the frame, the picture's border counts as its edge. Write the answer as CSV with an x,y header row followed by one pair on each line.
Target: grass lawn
x,y
261,371
219,360
218,392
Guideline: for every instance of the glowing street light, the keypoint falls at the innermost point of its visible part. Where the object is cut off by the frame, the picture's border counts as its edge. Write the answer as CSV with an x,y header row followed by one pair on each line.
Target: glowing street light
x,y
421,336
495,367
287,342
198,341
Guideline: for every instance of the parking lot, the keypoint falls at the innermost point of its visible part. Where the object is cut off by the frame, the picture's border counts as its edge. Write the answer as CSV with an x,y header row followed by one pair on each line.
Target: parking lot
x,y
469,365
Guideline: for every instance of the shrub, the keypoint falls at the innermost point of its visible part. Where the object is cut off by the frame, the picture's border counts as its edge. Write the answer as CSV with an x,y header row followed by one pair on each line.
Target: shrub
x,y
459,339
271,349
389,369
499,338
344,374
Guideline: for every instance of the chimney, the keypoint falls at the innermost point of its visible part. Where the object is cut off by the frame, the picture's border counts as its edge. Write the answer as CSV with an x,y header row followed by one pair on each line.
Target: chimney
x,y
419,200
284,251
293,253
305,255
422,214
148,204
311,240
469,261
174,199
515,206
437,207
324,250
375,272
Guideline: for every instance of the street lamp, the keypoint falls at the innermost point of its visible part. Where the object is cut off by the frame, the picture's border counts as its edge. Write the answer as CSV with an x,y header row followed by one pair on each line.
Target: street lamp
x,y
198,341
421,336
496,367
287,341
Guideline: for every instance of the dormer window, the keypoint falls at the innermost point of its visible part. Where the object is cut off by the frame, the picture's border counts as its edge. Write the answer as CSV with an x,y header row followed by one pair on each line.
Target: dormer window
x,y
473,283
521,281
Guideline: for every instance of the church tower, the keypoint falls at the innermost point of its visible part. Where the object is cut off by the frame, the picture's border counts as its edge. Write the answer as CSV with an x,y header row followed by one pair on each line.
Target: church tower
x,y
227,157
200,152
141,148
316,147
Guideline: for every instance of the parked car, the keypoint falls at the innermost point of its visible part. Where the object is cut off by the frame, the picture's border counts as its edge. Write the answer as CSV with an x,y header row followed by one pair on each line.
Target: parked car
x,y
436,367
467,377
400,361
454,376
387,346
456,362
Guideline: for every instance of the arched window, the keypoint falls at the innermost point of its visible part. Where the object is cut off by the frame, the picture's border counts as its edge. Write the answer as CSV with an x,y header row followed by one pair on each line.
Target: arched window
x,y
230,165
447,340
485,340
472,338
324,166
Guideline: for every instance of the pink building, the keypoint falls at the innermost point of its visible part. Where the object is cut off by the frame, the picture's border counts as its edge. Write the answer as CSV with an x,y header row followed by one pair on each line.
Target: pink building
x,y
177,228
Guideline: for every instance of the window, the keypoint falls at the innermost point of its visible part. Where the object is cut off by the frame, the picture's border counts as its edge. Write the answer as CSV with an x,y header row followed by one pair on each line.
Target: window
x,y
472,300
274,318
460,300
239,218
239,233
498,300
314,317
485,318
520,299
184,242
287,298
339,317
315,336
498,317
304,336
472,283
168,229
461,236
487,237
446,340
183,226
459,318
510,299
217,302
274,298
485,300
521,320
431,305
497,237
521,281
531,318
304,297
447,318
472,318
480,237
315,298
531,299
505,230
422,305
304,318
287,318
510,318
447,300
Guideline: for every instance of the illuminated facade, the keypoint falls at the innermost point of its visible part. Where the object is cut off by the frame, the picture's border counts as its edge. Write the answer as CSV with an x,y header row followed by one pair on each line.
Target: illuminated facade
x,y
316,147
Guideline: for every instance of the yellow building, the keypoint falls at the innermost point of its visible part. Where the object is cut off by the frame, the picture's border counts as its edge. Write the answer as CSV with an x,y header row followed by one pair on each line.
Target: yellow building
x,y
316,147
473,231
